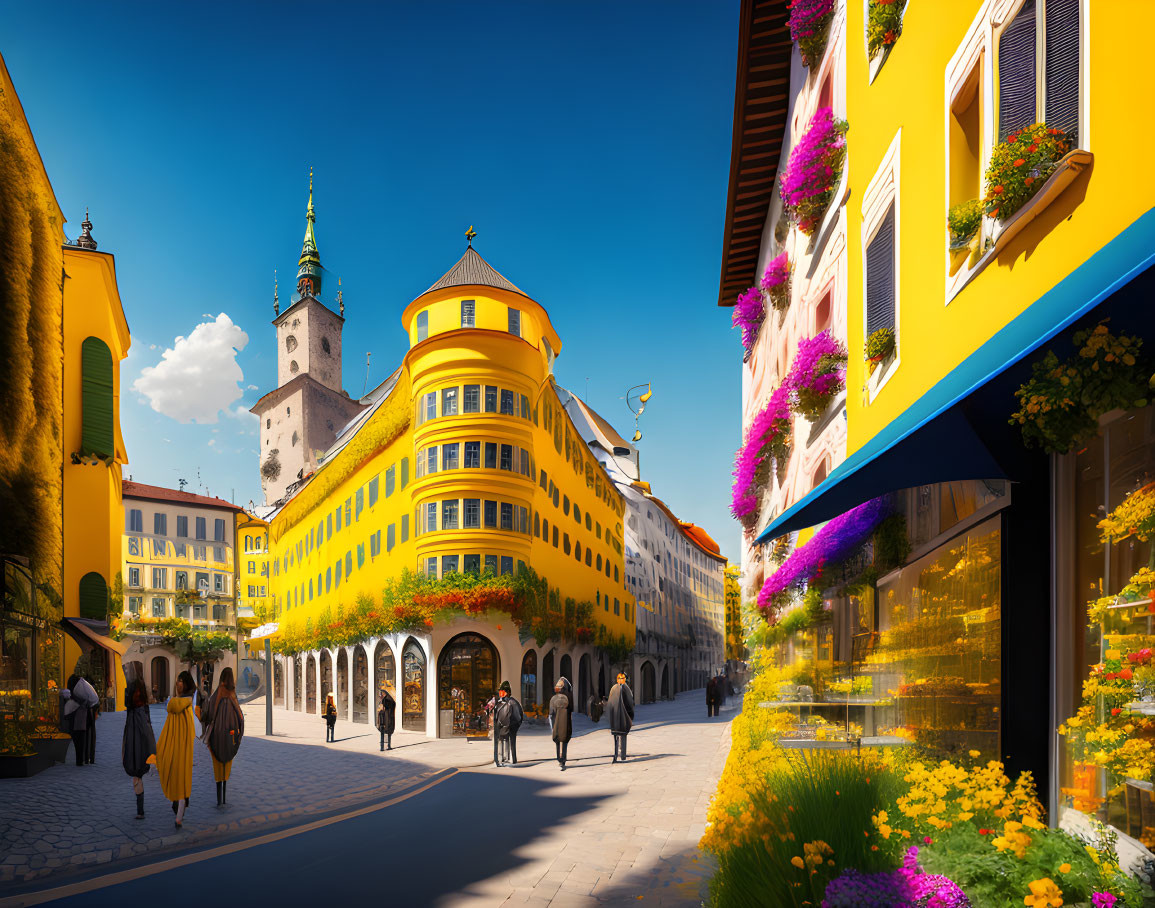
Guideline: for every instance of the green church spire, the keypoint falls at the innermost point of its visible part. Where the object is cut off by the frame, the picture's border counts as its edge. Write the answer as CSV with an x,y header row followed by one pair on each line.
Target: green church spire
x,y
309,264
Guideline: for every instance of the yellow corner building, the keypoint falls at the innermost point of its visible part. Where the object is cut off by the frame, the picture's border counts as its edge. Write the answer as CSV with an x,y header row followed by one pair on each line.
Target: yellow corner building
x,y
464,463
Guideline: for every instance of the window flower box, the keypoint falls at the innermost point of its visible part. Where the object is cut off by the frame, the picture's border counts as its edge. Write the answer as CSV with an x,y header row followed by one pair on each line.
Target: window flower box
x,y
1020,165
767,440
879,346
883,25
776,282
814,170
817,375
809,28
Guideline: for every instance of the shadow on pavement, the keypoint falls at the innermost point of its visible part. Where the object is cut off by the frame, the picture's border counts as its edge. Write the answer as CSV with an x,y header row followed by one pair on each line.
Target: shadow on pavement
x,y
679,878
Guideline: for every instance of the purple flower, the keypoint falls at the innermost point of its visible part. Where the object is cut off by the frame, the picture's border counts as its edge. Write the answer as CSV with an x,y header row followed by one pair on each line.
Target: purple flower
x,y
817,373
869,890
776,281
807,184
808,19
749,311
833,542
765,438
1103,900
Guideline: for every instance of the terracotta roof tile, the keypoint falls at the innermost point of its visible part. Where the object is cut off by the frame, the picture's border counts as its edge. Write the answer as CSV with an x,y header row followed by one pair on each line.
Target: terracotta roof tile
x,y
159,493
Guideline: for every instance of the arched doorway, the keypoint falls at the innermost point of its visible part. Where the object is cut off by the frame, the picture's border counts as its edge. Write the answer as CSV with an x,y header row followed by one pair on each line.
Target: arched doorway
x,y
161,687
583,685
413,691
278,682
467,677
665,682
326,676
603,688
566,668
360,684
385,671
342,684
298,690
648,688
547,675
311,685
529,679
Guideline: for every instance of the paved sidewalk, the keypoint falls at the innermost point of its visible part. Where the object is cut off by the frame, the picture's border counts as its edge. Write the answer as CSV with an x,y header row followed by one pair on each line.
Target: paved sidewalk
x,y
66,820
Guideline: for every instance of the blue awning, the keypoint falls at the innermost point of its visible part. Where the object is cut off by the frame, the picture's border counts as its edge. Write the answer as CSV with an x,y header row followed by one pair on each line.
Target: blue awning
x,y
953,432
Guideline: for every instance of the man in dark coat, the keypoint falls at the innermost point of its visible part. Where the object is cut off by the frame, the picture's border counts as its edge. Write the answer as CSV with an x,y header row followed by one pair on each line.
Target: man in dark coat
x,y
620,713
507,719
561,720
387,719
712,697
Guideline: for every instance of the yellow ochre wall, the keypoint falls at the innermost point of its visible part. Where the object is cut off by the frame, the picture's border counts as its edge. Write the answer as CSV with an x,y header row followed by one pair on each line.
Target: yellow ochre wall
x,y
253,528
910,92
393,436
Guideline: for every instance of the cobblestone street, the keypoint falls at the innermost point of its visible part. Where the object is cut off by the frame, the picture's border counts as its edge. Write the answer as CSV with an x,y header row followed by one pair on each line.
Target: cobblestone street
x,y
639,837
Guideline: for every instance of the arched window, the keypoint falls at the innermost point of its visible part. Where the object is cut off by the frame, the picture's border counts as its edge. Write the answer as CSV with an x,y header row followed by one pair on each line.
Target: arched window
x,y
97,436
93,597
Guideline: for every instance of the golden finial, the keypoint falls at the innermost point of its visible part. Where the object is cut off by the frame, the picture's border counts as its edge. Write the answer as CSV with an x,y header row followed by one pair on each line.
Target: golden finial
x,y
469,235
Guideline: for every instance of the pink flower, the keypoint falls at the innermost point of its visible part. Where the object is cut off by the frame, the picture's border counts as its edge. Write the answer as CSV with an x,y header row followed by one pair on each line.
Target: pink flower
x,y
806,183
749,311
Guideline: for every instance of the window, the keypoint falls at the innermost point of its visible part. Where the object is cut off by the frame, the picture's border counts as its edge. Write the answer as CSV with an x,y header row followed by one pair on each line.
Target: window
x,y
577,514
468,310
555,537
523,520
507,564
337,519
390,537
449,402
491,455
158,608
449,515
202,581
507,457
360,495
404,527
565,505
965,126
390,480
337,573
507,399
524,407
373,487
375,544
537,525
430,518
348,519
472,564
218,530
1026,94
449,456
182,526
202,528
97,433
422,325
448,564
544,480
617,606
219,554
491,564
360,554
490,399
577,550
472,400
348,564
491,513
506,516
134,604
472,513
431,405
880,283
431,566
472,455
431,459
404,472
219,583
135,521
181,580
515,321
565,543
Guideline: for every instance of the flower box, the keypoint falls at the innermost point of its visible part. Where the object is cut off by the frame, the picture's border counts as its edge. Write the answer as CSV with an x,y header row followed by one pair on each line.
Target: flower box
x,y
55,746
809,28
24,766
814,170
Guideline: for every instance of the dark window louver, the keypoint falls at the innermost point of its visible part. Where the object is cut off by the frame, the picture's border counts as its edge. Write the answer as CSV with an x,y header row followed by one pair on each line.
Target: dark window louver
x,y
1017,72
96,434
1062,67
93,597
880,276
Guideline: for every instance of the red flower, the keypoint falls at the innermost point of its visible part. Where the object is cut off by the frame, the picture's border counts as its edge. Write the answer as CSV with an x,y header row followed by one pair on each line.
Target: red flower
x,y
1029,180
1020,162
984,832
1115,711
1126,674
998,190
890,37
1032,148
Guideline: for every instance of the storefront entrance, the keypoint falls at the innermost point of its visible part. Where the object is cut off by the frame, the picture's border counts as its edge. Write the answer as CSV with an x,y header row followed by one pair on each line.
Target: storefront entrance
x,y
467,678
360,685
413,695
161,686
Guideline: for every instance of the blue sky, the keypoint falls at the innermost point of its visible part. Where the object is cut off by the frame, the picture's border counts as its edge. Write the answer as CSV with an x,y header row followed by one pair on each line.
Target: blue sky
x,y
589,146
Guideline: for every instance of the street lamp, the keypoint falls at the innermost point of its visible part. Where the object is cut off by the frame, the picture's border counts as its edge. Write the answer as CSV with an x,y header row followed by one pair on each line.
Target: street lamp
x,y
637,405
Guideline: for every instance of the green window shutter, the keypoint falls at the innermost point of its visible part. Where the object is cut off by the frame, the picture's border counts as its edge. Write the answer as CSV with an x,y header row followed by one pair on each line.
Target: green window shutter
x,y
93,596
97,434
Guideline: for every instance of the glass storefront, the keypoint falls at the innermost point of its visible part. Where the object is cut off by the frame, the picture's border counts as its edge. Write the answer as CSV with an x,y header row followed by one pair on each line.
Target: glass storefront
x,y
31,649
413,693
467,679
529,679
360,684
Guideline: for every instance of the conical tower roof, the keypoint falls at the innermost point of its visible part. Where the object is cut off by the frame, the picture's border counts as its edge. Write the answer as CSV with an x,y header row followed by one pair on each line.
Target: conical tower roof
x,y
309,264
471,268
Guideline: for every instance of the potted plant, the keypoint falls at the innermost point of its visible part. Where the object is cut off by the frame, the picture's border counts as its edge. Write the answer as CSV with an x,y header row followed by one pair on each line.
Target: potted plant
x,y
1019,167
883,25
809,23
776,282
815,166
817,374
964,220
879,346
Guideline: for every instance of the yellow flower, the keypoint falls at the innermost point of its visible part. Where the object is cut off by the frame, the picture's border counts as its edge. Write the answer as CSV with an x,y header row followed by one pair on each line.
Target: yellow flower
x,y
975,754
1044,894
797,862
1064,868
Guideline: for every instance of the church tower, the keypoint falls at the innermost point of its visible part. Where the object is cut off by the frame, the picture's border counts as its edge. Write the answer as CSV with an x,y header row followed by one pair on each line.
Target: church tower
x,y
301,418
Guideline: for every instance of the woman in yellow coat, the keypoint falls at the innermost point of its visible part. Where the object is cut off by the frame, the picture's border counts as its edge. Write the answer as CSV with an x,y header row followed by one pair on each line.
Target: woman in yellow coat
x,y
174,748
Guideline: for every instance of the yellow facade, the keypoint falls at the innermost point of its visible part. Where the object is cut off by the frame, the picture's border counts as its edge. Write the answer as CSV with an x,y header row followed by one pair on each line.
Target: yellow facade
x,y
944,135
541,498
252,557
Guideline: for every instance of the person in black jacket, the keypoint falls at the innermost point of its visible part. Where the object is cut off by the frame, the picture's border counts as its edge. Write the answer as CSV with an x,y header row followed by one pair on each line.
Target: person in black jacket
x,y
387,719
712,697
507,719
561,720
330,719
139,740
620,712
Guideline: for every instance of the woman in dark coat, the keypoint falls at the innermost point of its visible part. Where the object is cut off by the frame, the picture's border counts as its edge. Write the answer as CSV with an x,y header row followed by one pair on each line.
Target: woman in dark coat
x,y
330,719
387,719
139,747
620,713
224,725
712,697
561,720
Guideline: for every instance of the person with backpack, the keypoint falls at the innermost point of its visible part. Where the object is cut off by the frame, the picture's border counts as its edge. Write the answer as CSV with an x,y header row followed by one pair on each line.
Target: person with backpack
x,y
77,703
138,749
507,718
620,712
561,721
387,719
224,726
330,719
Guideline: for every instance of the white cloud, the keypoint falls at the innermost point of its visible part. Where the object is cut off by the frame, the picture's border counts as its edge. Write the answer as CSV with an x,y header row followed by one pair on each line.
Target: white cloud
x,y
252,388
199,375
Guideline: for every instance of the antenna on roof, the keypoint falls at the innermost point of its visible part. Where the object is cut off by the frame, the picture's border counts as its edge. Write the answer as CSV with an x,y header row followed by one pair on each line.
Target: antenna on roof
x,y
365,390
182,483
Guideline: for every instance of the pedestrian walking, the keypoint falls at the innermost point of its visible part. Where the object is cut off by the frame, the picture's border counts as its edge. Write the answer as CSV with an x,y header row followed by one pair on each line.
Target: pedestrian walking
x,y
223,728
719,692
77,708
712,697
174,748
138,749
93,715
561,721
507,718
620,714
387,719
330,719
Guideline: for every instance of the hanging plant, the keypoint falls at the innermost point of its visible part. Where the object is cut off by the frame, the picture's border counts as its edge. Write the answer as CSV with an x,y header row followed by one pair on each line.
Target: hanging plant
x,y
817,374
767,439
814,168
776,282
749,312
964,220
1019,167
809,24
884,24
1060,405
